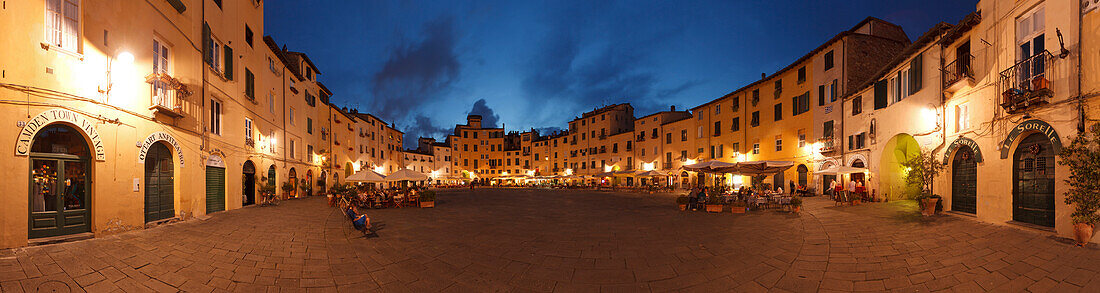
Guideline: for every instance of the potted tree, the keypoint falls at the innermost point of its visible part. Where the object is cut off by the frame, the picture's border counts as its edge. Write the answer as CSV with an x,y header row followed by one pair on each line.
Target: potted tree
x,y
796,204
922,171
1082,157
683,202
267,191
427,199
304,186
288,188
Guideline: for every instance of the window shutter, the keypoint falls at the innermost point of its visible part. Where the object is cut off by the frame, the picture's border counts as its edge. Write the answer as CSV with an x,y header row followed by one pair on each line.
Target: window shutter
x,y
207,56
228,62
794,105
832,91
880,94
915,76
821,95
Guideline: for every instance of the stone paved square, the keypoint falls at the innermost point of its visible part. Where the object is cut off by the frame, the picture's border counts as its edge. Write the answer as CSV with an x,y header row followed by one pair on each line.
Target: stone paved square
x,y
562,241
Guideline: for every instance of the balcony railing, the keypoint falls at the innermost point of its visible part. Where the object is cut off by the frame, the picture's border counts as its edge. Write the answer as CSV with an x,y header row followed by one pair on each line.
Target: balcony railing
x,y
827,145
958,70
1027,83
167,94
249,141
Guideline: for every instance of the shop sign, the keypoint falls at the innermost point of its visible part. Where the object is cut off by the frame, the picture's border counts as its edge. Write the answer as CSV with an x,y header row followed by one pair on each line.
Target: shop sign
x,y
215,161
26,135
960,142
160,136
1033,125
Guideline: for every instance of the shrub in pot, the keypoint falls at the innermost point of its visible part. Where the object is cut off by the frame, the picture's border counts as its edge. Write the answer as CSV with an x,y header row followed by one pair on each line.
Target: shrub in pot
x,y
1082,157
427,199
683,201
796,204
923,169
928,203
714,204
288,188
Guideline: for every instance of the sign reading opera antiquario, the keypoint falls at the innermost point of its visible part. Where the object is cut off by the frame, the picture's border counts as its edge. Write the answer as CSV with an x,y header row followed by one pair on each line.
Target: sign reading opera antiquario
x,y
160,136
26,135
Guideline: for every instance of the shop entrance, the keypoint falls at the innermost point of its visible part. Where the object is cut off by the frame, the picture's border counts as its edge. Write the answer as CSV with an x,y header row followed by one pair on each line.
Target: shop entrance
x,y
964,181
159,184
59,187
1033,175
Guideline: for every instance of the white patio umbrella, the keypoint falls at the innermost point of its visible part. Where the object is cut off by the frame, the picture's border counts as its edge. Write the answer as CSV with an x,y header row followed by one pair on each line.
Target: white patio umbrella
x,y
708,166
366,176
406,175
840,170
755,168
652,173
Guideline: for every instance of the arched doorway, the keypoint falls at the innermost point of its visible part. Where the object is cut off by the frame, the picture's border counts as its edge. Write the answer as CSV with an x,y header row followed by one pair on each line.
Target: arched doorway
x,y
891,175
803,174
827,181
248,183
964,181
858,177
60,185
1033,181
215,184
271,179
309,183
159,184
322,183
293,179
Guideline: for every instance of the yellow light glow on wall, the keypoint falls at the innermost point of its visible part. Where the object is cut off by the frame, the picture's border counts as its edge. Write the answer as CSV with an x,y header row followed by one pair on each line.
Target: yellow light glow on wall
x,y
379,169
567,172
647,166
689,162
607,168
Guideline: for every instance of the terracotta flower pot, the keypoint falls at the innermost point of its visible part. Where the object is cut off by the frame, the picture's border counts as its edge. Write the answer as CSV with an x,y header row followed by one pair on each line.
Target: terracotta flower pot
x,y
427,204
929,206
798,209
683,207
737,209
1083,233
714,208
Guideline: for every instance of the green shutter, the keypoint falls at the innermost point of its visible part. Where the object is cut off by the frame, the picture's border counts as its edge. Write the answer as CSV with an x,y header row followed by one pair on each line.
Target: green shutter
x,y
880,94
178,5
821,95
228,62
249,84
207,56
215,189
915,76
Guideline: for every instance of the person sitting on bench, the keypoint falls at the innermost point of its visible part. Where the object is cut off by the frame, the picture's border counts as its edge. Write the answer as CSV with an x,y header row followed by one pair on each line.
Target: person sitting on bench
x,y
360,221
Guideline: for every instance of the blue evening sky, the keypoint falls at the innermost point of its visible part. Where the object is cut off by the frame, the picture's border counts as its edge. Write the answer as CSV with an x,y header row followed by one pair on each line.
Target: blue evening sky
x,y
535,64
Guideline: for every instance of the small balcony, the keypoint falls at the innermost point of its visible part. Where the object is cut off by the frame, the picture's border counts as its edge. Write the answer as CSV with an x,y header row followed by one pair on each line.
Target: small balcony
x,y
167,94
249,141
1028,83
828,145
958,74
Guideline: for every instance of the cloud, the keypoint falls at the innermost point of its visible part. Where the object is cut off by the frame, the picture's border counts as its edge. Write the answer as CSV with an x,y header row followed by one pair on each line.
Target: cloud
x,y
422,126
489,119
417,73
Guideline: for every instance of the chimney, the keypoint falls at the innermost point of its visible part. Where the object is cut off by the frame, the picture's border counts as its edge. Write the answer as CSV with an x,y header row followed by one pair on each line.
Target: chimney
x,y
672,108
763,76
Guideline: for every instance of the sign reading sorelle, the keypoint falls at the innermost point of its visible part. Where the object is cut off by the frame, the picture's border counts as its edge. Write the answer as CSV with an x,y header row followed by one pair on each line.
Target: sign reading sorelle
x,y
26,135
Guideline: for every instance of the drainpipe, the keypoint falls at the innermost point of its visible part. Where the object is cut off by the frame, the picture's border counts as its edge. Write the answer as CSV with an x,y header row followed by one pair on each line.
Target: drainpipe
x,y
202,68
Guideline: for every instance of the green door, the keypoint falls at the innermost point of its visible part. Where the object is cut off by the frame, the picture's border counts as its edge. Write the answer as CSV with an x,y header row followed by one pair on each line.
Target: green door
x,y
59,183
215,189
159,184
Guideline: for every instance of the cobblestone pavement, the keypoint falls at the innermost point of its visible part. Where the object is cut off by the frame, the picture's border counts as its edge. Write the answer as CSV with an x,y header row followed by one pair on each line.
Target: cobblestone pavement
x,y
562,241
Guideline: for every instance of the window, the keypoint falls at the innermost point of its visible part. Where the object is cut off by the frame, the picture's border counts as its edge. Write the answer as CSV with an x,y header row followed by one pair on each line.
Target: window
x,y
1031,41
857,105
309,151
827,129
291,147
778,143
215,117
756,148
271,141
832,91
668,138
899,86
828,60
219,3
861,140
249,84
720,149
162,95
755,119
962,117
248,131
821,95
801,74
778,87
683,155
683,135
736,147
248,35
713,152
778,111
801,138
699,134
63,24
735,125
717,128
717,109
755,96
800,104
291,116
271,102
311,100
309,125
271,65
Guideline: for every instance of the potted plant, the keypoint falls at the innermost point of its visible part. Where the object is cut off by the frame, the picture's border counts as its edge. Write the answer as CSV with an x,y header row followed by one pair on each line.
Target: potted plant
x,y
796,204
714,204
304,186
683,201
1082,157
738,207
288,188
922,171
427,199
928,203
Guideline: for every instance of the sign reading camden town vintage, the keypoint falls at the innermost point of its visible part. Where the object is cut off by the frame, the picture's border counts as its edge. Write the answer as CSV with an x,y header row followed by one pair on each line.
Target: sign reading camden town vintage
x,y
159,136
961,142
1033,125
26,135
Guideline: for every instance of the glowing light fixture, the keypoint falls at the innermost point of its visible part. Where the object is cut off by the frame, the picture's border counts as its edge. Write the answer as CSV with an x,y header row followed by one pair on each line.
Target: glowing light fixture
x,y
689,162
647,166
126,57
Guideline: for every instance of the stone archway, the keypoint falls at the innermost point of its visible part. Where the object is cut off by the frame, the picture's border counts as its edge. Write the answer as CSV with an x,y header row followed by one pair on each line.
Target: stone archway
x,y
891,173
60,181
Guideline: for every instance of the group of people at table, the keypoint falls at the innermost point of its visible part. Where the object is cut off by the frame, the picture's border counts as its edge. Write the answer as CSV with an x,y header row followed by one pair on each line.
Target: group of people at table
x,y
393,197
847,193
751,195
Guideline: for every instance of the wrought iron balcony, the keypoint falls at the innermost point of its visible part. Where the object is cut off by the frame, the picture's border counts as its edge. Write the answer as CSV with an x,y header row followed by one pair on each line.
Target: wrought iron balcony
x,y
167,94
958,73
249,141
1027,83
828,145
